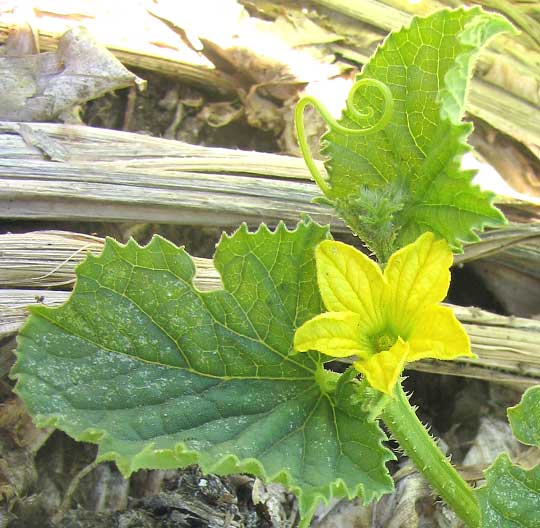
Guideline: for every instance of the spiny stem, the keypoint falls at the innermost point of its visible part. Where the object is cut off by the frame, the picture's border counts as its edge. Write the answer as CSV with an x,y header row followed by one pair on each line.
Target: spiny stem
x,y
419,446
387,112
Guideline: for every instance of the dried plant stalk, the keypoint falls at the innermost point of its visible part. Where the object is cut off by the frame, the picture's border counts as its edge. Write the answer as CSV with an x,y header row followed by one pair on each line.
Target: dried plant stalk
x,y
48,259
106,175
43,259
507,346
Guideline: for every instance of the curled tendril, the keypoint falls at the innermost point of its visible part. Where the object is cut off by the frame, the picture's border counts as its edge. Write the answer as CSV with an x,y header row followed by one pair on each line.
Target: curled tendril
x,y
388,110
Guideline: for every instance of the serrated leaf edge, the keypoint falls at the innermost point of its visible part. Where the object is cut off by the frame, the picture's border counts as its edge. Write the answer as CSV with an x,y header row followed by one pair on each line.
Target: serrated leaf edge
x,y
499,219
228,464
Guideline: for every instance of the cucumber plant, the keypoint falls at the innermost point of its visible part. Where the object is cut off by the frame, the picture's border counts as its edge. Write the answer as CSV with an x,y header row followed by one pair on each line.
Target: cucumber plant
x,y
162,375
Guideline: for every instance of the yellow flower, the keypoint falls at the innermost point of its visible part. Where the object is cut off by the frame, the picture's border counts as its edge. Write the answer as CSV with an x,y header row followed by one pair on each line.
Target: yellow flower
x,y
384,319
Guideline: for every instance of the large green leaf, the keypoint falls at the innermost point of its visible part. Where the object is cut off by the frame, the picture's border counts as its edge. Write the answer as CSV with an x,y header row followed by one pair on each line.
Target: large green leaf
x,y
525,417
406,178
161,375
511,496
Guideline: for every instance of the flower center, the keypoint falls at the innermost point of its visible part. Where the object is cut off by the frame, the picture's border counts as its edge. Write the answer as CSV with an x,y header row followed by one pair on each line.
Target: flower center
x,y
384,342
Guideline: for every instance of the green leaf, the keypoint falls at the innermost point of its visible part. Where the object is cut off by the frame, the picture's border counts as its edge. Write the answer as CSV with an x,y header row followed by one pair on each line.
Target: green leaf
x,y
511,496
161,375
525,417
406,178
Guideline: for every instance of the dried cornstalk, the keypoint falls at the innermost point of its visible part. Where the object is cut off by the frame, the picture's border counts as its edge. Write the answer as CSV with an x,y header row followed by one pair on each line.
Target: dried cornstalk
x,y
507,347
13,305
43,259
113,176
106,175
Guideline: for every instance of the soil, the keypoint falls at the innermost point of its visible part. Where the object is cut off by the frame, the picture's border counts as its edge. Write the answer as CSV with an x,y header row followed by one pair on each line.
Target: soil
x,y
37,477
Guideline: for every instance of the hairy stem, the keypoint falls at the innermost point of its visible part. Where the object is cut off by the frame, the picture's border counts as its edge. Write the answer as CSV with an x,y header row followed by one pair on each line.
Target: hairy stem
x,y
332,123
419,446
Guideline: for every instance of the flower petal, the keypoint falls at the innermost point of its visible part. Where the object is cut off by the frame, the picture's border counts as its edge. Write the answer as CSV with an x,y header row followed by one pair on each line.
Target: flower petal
x,y
438,334
418,276
382,370
349,281
332,333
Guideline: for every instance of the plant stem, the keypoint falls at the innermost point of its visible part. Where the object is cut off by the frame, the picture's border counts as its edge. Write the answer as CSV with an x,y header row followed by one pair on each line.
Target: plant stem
x,y
419,446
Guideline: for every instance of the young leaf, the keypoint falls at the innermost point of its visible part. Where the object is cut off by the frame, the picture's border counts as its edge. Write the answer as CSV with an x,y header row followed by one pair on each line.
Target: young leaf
x,y
406,178
525,417
511,496
161,375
